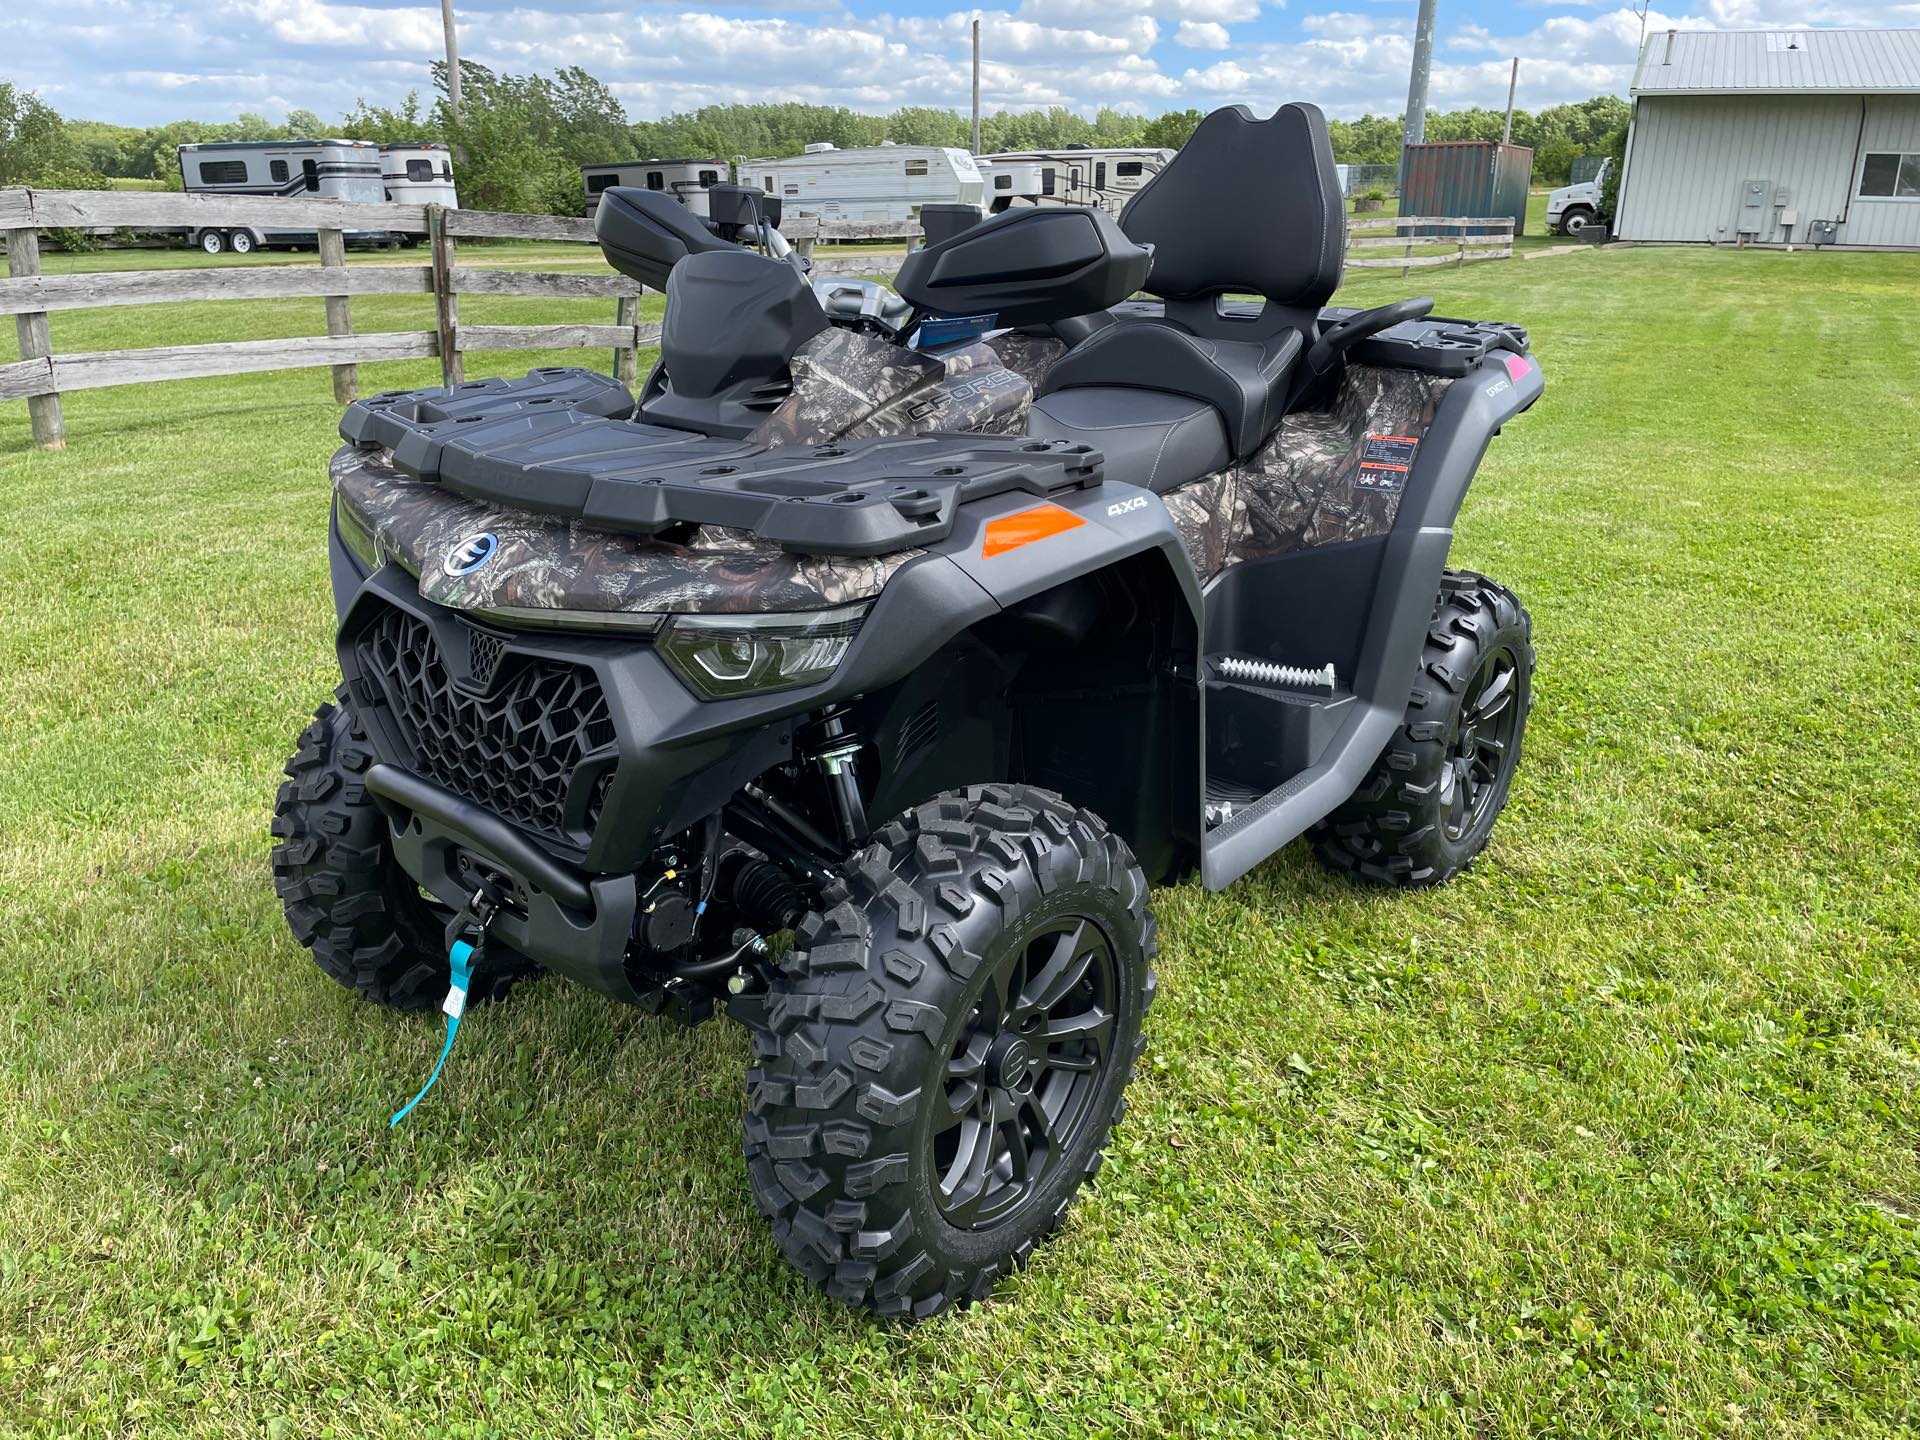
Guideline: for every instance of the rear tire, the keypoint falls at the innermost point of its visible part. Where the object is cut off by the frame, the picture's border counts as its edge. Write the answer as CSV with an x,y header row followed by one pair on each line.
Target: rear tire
x,y
240,242
212,241
346,898
1429,804
942,1055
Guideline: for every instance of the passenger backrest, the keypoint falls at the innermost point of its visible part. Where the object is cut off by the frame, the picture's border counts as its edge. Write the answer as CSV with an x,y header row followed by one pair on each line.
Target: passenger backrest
x,y
1247,205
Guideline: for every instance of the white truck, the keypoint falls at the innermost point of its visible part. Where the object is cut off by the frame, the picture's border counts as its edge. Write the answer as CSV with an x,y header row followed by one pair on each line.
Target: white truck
x,y
1572,208
877,184
1073,175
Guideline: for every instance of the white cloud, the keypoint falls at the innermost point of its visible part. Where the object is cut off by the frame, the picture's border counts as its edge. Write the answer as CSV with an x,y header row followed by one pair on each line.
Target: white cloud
x,y
144,61
1203,35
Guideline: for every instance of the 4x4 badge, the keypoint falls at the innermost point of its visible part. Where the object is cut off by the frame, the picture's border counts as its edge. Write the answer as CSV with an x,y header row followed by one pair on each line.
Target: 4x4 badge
x,y
470,554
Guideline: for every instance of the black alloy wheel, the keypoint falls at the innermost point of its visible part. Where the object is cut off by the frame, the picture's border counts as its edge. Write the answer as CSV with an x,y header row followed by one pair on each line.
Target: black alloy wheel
x,y
1021,1079
1476,769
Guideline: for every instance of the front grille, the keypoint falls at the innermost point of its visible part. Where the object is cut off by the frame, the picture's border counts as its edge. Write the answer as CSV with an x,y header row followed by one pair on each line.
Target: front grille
x,y
514,750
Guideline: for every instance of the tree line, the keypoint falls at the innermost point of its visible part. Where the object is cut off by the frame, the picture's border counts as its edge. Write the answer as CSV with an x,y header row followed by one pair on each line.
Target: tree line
x,y
523,138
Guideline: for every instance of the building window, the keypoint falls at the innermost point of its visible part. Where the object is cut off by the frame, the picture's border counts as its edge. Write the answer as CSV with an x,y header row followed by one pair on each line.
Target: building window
x,y
598,183
709,177
1883,175
419,170
656,180
1127,169
277,169
1003,182
1046,182
916,167
223,172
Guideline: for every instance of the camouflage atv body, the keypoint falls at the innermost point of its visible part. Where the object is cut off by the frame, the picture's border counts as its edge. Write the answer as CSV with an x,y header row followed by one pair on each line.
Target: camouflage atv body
x,y
931,631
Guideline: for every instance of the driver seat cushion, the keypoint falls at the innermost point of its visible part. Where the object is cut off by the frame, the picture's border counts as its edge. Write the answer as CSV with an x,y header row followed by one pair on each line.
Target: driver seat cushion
x,y
1247,381
1145,437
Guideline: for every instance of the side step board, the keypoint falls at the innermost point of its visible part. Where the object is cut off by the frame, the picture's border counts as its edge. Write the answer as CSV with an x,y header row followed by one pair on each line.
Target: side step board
x,y
1280,816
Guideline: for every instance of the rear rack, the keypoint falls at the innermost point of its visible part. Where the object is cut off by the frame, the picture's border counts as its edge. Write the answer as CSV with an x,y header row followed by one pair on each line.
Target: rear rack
x,y
558,442
1433,345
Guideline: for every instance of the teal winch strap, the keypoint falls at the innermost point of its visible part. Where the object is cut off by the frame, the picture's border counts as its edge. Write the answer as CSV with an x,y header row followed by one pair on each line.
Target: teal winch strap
x,y
460,958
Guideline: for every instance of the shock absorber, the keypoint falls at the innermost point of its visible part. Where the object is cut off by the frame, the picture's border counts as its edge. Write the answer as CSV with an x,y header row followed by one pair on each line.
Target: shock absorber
x,y
836,752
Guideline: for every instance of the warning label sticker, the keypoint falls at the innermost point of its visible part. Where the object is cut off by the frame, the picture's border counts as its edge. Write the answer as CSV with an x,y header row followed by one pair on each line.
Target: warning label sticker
x,y
1385,461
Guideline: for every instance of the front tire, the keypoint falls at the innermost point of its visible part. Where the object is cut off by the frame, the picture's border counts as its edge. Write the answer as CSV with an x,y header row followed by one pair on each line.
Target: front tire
x,y
346,897
212,241
1429,804
1575,219
942,1055
241,242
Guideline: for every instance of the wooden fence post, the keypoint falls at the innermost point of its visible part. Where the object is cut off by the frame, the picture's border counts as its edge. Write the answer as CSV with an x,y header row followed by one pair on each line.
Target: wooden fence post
x,y
333,255
36,342
626,359
446,302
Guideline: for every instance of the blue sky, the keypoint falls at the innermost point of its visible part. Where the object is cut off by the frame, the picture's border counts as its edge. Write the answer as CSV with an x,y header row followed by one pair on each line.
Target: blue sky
x,y
145,61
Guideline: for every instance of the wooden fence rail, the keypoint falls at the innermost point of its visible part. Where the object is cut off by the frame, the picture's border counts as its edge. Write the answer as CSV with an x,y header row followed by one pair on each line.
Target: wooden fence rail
x,y
1467,238
40,376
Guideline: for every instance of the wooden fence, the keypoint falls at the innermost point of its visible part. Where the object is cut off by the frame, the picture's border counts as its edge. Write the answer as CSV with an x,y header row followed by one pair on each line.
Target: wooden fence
x,y
41,376
1465,238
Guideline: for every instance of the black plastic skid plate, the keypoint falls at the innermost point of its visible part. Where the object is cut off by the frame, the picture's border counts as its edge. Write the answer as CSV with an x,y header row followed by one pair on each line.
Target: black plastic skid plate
x,y
555,442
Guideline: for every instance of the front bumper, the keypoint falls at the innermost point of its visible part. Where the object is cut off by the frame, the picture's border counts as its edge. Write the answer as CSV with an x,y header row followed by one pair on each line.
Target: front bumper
x,y
568,826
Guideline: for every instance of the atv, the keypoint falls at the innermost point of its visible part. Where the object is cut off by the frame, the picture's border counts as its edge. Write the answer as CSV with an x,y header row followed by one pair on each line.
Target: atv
x,y
860,676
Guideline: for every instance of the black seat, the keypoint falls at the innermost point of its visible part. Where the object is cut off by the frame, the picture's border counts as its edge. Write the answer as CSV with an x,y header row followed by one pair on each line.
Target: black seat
x,y
1247,207
1148,438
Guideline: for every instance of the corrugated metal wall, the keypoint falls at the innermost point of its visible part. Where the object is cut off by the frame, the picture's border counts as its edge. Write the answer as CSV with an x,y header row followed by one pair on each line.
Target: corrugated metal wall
x,y
1691,157
1461,178
1891,125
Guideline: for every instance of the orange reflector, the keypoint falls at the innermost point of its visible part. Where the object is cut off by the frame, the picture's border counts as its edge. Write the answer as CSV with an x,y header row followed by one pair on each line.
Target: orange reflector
x,y
1010,532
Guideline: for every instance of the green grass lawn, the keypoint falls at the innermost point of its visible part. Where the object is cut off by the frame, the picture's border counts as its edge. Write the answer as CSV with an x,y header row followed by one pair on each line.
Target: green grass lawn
x,y
1616,1135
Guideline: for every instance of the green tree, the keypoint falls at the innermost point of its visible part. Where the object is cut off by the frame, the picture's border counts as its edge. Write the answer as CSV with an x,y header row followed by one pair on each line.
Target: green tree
x,y
925,125
305,125
33,138
107,149
1171,130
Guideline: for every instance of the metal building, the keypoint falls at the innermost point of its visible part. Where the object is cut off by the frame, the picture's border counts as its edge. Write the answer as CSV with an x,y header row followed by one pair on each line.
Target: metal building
x,y
1781,137
1458,178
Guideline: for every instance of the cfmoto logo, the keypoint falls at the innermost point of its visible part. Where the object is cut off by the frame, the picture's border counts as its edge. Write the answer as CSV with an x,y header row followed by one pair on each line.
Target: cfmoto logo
x,y
470,554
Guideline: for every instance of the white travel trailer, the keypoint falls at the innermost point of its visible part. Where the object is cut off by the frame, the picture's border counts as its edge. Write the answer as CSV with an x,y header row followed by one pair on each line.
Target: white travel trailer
x,y
335,169
876,184
419,173
1075,175
686,180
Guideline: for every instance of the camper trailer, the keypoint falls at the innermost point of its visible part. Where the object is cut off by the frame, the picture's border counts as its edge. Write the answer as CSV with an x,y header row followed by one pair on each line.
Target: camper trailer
x,y
686,180
419,173
333,169
1075,175
876,184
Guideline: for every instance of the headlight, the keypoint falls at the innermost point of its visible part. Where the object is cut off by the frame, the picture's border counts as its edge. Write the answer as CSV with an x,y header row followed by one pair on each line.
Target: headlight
x,y
721,656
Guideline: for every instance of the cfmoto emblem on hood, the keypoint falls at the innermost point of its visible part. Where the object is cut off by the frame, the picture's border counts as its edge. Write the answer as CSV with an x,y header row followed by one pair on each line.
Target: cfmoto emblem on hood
x,y
470,554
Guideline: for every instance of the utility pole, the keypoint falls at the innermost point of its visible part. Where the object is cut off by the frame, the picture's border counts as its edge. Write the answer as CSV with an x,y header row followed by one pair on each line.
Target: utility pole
x,y
1513,83
453,61
976,84
1416,123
